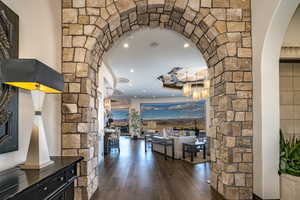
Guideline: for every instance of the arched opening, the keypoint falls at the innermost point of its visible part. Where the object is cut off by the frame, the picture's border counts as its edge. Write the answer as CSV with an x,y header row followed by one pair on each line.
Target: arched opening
x,y
268,37
221,31
141,62
136,60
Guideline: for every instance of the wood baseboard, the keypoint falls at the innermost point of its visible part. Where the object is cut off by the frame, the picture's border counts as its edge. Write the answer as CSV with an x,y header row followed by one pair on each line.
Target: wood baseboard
x,y
215,194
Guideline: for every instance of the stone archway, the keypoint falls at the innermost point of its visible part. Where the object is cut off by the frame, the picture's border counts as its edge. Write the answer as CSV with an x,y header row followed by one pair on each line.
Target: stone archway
x,y
268,30
221,29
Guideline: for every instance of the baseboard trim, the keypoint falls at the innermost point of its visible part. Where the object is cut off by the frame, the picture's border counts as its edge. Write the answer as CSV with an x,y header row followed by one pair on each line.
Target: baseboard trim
x,y
215,194
255,197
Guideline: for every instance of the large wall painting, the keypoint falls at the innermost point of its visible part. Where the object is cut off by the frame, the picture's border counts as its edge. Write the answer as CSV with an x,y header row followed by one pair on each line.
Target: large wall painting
x,y
180,116
9,40
120,117
181,110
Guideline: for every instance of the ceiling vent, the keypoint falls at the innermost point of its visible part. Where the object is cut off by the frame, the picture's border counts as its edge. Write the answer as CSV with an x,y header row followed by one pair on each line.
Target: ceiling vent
x,y
117,92
154,44
122,80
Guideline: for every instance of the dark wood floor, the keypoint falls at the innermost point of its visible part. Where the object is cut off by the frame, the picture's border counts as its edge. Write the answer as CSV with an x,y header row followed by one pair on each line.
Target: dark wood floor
x,y
136,175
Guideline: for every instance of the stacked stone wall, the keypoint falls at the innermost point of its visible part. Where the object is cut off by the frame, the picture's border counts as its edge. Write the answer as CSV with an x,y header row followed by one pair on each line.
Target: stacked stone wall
x,y
221,29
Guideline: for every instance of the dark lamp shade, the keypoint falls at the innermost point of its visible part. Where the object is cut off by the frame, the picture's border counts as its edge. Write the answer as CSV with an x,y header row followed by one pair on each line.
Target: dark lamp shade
x,y
31,74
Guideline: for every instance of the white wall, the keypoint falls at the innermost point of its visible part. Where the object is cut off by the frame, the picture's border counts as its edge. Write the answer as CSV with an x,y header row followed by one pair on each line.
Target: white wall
x,y
105,77
291,38
270,20
40,37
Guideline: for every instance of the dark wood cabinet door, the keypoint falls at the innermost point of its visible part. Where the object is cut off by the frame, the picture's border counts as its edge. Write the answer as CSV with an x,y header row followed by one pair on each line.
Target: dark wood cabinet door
x,y
53,183
59,196
69,192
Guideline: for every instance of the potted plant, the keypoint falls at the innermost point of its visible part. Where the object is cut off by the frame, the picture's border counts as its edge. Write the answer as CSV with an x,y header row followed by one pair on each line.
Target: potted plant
x,y
135,124
289,168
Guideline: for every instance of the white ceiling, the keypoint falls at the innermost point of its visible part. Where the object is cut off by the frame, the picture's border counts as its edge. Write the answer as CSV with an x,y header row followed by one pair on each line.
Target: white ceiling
x,y
292,38
150,62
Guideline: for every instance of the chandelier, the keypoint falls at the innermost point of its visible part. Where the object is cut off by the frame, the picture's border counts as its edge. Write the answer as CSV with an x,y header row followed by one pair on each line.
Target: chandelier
x,y
107,104
201,92
206,83
197,94
191,82
187,89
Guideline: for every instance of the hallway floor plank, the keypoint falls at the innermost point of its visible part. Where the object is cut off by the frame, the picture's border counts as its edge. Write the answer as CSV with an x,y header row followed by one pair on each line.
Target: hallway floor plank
x,y
136,175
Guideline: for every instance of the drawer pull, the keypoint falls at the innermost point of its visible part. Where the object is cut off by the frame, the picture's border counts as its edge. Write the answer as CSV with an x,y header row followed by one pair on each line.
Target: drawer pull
x,y
45,188
62,178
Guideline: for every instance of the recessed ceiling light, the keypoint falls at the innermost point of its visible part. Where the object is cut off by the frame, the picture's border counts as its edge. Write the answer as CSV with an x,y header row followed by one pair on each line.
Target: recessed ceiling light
x,y
134,96
125,45
186,45
131,70
144,91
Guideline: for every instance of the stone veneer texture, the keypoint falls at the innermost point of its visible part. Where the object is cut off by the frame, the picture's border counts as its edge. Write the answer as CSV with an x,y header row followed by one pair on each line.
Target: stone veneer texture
x,y
221,29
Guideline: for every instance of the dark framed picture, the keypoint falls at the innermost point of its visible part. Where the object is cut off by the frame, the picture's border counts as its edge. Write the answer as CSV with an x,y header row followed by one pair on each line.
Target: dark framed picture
x,y
9,48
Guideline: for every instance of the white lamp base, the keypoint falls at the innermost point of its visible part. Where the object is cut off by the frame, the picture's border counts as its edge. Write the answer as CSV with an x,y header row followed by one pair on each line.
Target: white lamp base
x,y
38,154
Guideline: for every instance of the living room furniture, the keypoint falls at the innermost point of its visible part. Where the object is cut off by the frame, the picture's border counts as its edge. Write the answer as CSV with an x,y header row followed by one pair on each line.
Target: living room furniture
x,y
106,136
55,182
33,75
111,140
164,142
192,148
114,141
178,140
148,139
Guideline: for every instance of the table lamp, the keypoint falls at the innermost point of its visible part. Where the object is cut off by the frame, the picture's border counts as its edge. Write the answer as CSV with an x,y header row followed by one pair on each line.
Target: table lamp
x,y
33,75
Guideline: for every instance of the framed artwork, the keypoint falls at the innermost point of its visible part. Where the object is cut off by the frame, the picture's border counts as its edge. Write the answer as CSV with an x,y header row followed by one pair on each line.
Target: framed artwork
x,y
178,110
178,115
9,40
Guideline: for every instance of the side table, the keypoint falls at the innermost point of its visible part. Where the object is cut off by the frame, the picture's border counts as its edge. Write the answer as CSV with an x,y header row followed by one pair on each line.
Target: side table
x,y
192,148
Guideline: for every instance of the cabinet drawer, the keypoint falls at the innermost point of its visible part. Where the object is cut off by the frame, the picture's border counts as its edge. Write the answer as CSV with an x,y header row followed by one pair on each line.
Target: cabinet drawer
x,y
55,182
50,185
70,172
28,194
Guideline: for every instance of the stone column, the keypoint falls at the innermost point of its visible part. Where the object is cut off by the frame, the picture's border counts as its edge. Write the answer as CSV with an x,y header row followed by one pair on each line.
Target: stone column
x,y
231,130
80,99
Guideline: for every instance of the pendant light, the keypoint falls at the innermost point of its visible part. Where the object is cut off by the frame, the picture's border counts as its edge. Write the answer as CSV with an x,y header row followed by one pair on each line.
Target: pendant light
x,y
197,94
205,93
187,87
107,104
206,83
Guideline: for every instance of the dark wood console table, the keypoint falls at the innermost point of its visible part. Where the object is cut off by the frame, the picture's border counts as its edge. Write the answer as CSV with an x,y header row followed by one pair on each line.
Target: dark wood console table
x,y
55,182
